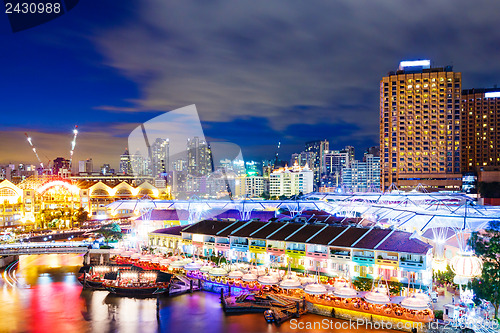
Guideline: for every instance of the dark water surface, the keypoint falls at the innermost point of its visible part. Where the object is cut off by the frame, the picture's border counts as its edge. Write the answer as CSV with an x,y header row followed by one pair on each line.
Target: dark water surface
x,y
55,302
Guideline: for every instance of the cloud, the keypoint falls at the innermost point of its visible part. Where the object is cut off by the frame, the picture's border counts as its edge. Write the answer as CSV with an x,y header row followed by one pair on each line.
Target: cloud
x,y
99,141
293,62
117,108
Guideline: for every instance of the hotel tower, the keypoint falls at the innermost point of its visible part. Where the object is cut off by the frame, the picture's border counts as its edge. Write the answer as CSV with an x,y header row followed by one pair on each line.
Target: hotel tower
x,y
420,127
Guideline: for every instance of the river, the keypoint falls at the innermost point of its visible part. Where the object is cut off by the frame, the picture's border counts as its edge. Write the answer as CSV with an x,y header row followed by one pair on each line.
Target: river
x,y
54,301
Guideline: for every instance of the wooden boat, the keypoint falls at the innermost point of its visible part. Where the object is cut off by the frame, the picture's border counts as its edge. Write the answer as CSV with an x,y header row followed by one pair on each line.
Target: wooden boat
x,y
137,290
89,282
139,284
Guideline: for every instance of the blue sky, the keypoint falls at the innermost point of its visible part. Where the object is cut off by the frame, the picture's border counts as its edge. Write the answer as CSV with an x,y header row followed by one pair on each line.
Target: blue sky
x,y
259,72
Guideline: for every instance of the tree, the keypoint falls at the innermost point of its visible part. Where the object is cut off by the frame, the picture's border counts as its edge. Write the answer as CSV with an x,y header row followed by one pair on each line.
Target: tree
x,y
110,232
80,216
444,277
487,246
265,195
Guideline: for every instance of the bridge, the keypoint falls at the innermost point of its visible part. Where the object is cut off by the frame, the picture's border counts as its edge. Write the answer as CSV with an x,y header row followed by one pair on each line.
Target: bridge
x,y
43,248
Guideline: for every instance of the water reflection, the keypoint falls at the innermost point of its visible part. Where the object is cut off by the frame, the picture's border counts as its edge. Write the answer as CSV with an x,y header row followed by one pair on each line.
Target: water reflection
x,y
55,302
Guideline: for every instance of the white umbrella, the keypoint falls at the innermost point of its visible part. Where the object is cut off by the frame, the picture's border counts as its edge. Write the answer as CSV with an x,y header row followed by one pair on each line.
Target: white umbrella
x,y
290,282
177,264
267,280
307,280
249,277
377,297
192,266
414,303
205,269
235,274
345,291
257,270
315,289
217,271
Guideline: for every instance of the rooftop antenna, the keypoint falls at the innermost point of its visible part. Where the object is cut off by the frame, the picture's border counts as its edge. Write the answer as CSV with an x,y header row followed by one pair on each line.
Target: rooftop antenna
x,y
34,149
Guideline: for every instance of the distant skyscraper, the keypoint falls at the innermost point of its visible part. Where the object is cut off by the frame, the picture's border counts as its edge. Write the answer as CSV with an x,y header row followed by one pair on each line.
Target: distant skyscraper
x,y
106,169
335,160
375,151
480,129
420,127
60,163
125,163
302,159
141,166
160,151
362,176
86,166
317,147
199,157
350,152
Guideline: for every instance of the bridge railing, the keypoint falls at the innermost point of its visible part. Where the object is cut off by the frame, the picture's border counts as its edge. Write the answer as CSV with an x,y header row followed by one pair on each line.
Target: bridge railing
x,y
37,248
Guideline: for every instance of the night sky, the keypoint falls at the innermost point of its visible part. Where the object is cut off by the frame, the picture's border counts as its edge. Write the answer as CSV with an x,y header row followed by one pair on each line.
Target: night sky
x,y
259,72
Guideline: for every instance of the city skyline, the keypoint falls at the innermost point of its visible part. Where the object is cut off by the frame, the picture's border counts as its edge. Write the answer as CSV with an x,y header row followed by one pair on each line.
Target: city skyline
x,y
115,78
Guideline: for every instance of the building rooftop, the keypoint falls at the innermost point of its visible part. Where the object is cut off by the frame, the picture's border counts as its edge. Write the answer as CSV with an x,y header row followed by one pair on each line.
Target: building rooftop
x,y
481,91
337,236
175,231
167,215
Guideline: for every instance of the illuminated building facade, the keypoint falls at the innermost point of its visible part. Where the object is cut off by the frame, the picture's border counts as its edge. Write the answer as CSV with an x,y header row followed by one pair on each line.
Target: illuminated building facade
x,y
291,181
125,163
160,151
420,127
335,250
362,176
480,129
317,148
199,157
24,202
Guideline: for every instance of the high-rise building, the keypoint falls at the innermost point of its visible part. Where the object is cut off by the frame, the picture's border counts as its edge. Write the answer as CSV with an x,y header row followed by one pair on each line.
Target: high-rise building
x,y
125,163
160,156
255,186
86,166
291,181
480,129
302,159
107,170
375,151
362,176
420,127
335,160
140,165
199,157
317,147
60,163
252,168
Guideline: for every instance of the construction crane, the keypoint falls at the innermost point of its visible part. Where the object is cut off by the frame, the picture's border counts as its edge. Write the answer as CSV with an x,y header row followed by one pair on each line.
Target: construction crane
x,y
73,144
34,149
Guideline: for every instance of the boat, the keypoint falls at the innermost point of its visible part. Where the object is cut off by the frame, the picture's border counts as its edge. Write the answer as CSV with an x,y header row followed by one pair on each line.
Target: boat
x,y
138,283
269,315
93,277
137,290
88,282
